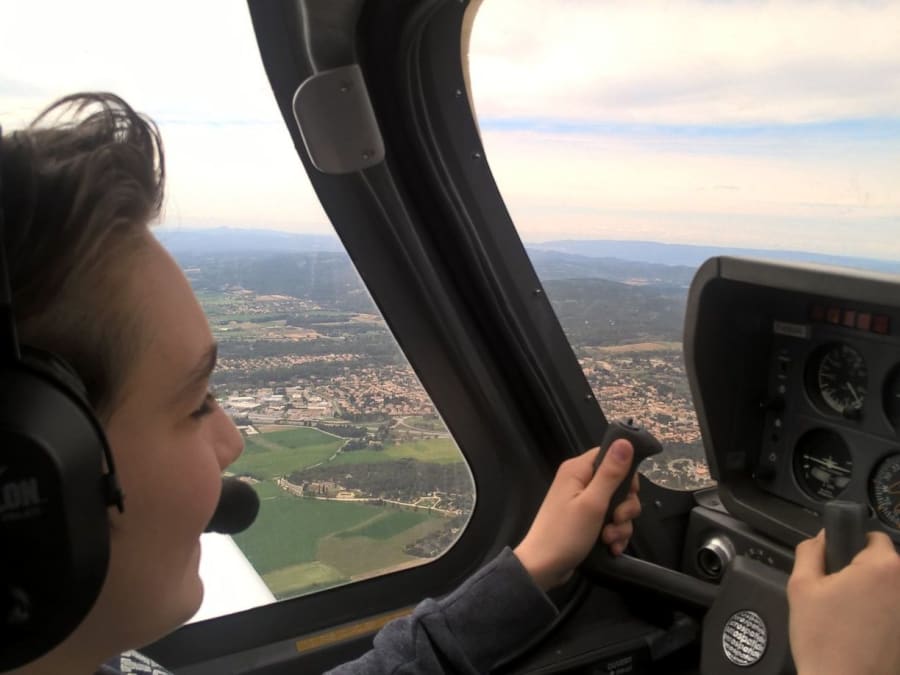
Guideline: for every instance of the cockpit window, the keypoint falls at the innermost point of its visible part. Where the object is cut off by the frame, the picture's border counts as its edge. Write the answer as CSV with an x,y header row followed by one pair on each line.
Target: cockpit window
x,y
631,141
356,471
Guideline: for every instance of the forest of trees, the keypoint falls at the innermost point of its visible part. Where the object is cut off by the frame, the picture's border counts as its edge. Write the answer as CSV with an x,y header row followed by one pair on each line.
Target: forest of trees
x,y
593,309
327,278
400,479
596,312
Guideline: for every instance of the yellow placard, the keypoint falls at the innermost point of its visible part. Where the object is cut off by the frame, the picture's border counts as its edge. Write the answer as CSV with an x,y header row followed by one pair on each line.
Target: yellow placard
x,y
348,631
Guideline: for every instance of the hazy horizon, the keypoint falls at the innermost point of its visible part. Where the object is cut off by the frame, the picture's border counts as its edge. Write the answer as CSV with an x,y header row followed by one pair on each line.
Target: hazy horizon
x,y
742,124
799,255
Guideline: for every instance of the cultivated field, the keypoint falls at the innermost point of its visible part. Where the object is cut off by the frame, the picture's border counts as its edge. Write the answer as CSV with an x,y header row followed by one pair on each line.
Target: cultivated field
x,y
434,450
301,544
281,452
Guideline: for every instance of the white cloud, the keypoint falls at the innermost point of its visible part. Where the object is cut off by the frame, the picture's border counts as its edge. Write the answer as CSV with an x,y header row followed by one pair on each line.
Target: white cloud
x,y
238,175
194,67
195,59
824,195
638,69
691,62
691,121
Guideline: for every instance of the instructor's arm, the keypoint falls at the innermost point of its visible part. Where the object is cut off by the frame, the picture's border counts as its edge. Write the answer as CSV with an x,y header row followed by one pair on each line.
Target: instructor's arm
x,y
848,622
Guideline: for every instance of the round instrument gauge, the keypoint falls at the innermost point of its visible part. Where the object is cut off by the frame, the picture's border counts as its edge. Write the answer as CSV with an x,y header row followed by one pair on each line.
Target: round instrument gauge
x,y
891,398
884,491
822,464
839,380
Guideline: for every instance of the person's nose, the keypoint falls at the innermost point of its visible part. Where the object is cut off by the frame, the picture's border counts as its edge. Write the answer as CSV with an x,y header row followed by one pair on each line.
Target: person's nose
x,y
230,443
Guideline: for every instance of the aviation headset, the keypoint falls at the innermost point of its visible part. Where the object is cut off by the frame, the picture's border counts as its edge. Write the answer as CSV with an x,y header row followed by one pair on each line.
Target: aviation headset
x,y
57,480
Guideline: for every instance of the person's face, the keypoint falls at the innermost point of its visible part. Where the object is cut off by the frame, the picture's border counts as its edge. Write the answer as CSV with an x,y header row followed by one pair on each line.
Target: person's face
x,y
170,442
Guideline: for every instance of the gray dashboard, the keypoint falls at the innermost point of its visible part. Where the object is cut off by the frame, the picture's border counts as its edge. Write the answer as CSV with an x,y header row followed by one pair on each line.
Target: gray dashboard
x,y
795,373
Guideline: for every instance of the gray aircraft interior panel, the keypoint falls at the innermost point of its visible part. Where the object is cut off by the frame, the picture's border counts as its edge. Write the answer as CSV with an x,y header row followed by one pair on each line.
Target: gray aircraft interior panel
x,y
795,372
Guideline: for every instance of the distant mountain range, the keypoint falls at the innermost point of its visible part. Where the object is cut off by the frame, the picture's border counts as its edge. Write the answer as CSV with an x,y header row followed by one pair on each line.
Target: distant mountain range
x,y
633,262
230,240
606,293
555,265
692,256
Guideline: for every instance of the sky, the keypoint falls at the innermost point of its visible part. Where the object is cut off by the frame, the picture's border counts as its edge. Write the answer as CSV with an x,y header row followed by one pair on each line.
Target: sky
x,y
734,122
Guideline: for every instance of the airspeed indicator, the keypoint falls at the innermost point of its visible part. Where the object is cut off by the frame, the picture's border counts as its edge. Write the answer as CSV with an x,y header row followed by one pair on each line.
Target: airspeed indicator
x,y
839,380
885,491
891,397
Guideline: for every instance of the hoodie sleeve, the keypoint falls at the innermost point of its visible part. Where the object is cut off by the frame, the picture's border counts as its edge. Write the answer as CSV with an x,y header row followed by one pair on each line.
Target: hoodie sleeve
x,y
487,618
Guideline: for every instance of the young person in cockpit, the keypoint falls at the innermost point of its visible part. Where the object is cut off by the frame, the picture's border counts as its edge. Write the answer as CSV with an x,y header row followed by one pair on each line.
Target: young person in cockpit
x,y
90,283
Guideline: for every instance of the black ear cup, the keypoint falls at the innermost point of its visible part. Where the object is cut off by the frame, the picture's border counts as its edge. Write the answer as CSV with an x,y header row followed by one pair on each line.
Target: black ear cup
x,y
54,527
56,371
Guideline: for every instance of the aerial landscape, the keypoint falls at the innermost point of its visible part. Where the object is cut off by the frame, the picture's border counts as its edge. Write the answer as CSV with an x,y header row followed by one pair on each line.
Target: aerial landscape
x,y
356,472
784,139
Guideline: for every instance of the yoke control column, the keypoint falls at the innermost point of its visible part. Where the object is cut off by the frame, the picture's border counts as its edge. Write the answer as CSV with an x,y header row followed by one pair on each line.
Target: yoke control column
x,y
745,631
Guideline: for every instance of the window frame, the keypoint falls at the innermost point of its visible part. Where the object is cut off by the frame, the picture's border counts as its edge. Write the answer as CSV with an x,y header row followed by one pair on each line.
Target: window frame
x,y
426,229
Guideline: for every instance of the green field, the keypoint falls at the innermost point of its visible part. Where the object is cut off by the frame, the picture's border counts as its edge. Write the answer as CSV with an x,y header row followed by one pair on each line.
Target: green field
x,y
361,556
288,529
281,452
429,423
212,299
434,450
388,524
267,490
298,544
304,578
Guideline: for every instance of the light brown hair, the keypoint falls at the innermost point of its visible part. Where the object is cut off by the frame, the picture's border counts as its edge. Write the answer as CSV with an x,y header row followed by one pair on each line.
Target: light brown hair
x,y
81,184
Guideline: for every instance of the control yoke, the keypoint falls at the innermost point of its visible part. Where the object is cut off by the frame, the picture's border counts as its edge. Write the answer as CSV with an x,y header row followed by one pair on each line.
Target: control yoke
x,y
745,630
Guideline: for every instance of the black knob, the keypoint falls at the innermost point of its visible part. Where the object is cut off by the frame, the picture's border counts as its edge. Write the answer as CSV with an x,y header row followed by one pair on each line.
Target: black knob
x,y
845,533
644,444
714,557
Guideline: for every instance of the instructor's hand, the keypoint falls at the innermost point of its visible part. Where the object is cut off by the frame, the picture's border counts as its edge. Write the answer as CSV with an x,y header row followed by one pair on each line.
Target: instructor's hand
x,y
846,622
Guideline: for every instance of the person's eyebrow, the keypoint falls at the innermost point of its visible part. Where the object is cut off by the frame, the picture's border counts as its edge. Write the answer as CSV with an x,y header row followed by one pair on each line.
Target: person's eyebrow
x,y
200,372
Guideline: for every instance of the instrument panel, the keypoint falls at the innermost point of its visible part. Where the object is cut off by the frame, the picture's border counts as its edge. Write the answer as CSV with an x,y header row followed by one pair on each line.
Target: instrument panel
x,y
795,374
832,422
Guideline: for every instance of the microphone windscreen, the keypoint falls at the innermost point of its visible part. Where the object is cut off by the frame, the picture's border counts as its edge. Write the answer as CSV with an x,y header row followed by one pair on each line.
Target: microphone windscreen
x,y
237,509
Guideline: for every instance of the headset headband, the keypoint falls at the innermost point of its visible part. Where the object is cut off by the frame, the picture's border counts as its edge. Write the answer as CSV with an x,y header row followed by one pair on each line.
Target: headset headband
x,y
9,343
10,352
55,496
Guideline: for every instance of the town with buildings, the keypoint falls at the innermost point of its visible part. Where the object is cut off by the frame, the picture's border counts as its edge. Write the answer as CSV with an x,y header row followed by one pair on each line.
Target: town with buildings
x,y
343,444
272,370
